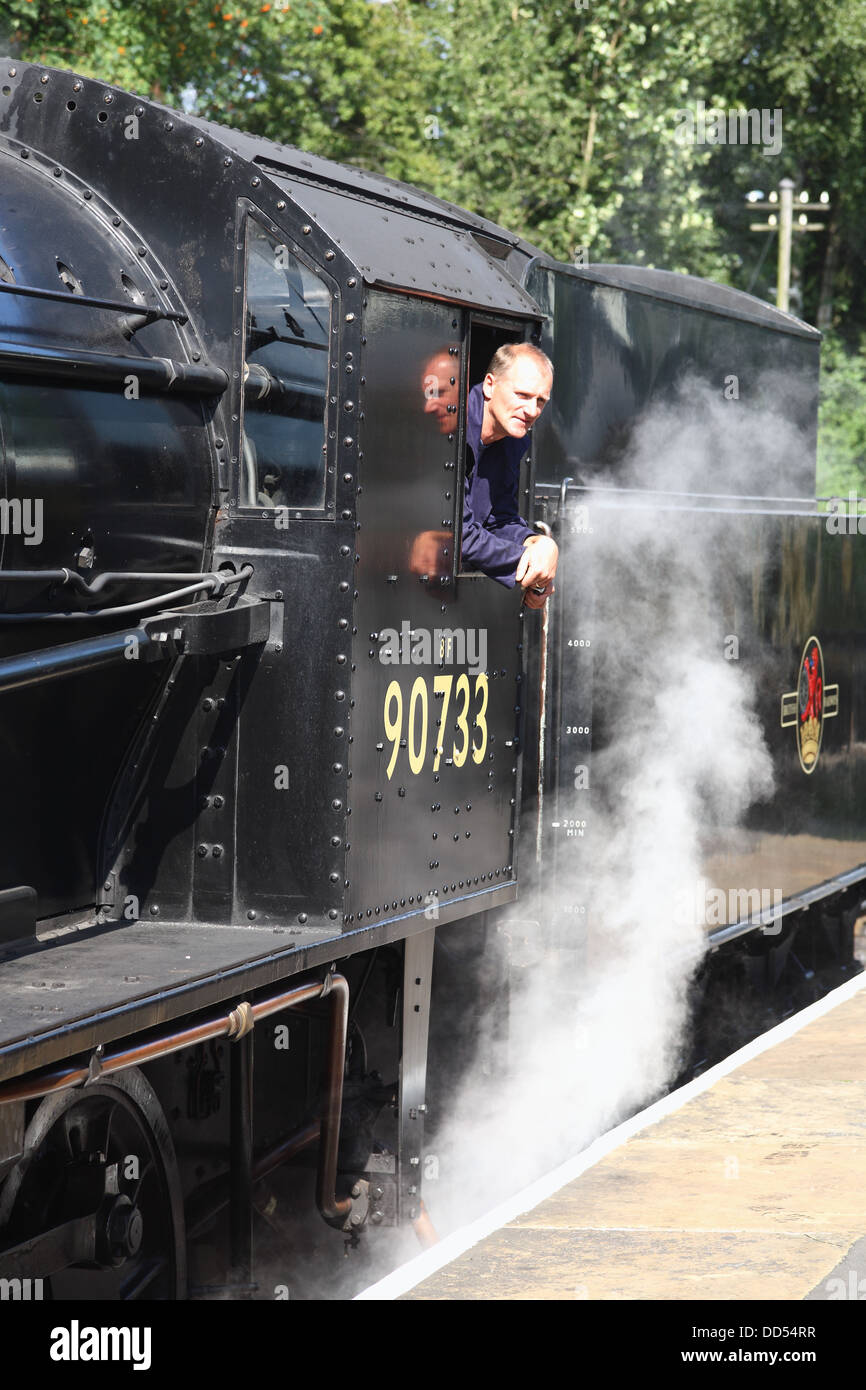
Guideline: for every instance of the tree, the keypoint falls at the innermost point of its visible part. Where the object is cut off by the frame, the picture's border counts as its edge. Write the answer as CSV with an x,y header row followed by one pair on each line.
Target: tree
x,y
344,78
559,120
842,420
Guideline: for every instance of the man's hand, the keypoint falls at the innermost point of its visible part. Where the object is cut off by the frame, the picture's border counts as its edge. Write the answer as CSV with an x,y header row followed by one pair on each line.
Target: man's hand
x,y
426,557
536,570
533,599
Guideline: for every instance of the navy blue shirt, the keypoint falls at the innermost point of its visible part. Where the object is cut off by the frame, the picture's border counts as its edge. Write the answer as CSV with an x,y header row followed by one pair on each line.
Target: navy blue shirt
x,y
493,529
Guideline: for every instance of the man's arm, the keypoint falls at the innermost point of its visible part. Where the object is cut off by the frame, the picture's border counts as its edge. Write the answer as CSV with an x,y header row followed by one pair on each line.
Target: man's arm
x,y
495,555
497,539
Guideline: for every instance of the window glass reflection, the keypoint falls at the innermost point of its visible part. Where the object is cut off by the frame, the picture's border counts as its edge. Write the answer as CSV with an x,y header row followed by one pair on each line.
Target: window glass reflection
x,y
285,379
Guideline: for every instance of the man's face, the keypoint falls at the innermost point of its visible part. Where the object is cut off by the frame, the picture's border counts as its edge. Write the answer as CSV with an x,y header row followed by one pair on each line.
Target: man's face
x,y
514,400
441,389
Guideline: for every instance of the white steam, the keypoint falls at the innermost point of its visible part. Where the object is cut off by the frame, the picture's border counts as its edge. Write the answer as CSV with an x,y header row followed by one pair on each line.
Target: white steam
x,y
595,1033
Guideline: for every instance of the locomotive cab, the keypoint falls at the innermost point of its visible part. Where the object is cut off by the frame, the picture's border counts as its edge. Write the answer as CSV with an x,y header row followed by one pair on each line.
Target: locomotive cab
x,y
279,726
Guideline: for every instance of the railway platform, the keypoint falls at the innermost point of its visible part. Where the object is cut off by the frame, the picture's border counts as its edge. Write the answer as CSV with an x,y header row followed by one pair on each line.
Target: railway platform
x,y
746,1184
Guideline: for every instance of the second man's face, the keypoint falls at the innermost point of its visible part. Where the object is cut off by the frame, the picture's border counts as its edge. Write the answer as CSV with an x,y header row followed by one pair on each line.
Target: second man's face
x,y
441,391
514,400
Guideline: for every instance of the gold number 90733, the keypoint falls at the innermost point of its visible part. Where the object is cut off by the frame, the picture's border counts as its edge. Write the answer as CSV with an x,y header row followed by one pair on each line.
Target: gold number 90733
x,y
466,739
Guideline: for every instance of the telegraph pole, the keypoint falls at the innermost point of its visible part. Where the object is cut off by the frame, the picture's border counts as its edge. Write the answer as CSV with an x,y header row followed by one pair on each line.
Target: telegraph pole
x,y
781,220
786,220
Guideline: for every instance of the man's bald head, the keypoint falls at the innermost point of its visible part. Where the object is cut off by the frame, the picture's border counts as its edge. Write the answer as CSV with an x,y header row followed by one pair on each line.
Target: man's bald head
x,y
441,387
505,357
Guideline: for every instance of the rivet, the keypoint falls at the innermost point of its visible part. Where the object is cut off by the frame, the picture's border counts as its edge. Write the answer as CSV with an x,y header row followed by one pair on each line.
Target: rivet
x,y
154,910
281,205
251,915
335,841
351,282
44,79
255,182
227,161
198,144
329,255
378,796
302,917
332,914
350,318
201,851
306,229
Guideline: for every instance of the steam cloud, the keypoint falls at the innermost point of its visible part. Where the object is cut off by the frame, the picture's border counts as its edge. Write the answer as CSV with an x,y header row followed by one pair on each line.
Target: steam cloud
x,y
682,759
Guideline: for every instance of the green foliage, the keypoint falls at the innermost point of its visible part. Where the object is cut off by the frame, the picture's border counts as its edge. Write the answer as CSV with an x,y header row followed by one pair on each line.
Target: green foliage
x,y
559,122
333,76
842,420
556,118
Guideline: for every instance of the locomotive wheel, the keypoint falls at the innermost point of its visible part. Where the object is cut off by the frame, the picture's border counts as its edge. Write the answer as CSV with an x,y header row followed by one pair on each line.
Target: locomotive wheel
x,y
94,1207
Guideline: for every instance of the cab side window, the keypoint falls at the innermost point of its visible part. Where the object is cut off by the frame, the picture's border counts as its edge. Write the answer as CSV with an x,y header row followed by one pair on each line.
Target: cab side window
x,y
286,341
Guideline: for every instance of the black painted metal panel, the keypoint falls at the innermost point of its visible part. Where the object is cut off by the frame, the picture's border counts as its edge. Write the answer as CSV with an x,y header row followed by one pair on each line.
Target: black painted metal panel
x,y
425,824
617,348
793,580
397,249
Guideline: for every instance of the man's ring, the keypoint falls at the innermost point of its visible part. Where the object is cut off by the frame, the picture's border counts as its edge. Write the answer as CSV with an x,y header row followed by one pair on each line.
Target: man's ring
x,y
541,590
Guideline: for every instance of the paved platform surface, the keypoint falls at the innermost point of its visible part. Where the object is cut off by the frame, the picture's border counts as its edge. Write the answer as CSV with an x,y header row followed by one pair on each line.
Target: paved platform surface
x,y
753,1189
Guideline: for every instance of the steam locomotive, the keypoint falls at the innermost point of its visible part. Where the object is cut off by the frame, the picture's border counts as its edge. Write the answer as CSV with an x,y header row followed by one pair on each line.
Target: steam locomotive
x,y
258,760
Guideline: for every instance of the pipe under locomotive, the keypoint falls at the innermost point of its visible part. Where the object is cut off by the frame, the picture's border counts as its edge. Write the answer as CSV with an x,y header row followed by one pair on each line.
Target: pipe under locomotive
x,y
256,767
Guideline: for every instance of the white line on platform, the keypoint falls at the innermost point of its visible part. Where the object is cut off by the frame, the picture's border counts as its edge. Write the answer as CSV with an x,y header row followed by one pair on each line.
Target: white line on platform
x,y
448,1249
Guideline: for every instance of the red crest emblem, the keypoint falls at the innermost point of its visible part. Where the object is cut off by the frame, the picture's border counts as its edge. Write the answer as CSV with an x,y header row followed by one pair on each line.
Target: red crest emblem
x,y
810,704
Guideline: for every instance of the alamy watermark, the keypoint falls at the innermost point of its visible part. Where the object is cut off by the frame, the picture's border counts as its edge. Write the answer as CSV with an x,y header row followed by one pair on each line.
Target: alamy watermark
x,y
77,1343
844,518
21,1290
709,906
440,646
22,516
709,127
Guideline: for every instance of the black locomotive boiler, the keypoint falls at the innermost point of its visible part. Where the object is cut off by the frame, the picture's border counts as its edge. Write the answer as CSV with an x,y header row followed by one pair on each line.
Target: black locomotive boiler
x,y
264,741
